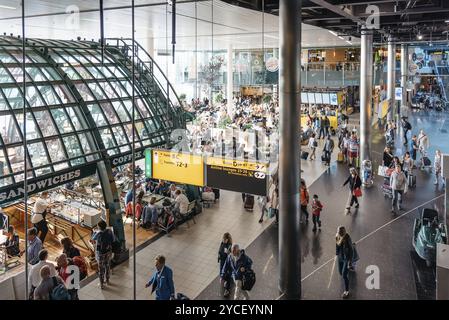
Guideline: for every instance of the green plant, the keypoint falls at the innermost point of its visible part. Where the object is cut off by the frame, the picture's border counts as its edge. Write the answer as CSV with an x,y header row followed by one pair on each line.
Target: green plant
x,y
210,72
219,98
266,98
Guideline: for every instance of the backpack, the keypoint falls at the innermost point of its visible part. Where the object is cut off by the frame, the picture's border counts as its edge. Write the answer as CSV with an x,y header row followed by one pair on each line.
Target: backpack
x,y
408,126
248,280
82,266
59,291
104,242
315,144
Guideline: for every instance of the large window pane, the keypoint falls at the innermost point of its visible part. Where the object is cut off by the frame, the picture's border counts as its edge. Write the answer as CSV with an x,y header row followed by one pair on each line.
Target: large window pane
x,y
45,123
5,77
74,149
110,113
61,119
33,97
9,130
14,97
97,115
32,131
64,94
55,150
49,95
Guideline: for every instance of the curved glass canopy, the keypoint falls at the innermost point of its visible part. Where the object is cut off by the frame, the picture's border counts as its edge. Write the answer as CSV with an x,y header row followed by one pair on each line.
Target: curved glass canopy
x,y
72,98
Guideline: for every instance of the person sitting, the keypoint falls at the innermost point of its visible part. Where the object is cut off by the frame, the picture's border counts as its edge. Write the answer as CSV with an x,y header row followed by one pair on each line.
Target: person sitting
x,y
173,189
150,214
12,243
129,212
181,203
162,189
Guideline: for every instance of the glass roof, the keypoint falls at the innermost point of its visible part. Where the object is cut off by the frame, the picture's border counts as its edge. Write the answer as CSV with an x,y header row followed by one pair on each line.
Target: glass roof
x,y
57,127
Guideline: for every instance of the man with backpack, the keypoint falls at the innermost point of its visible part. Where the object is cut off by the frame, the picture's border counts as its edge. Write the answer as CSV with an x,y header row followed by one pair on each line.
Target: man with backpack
x,y
50,288
239,265
103,240
406,126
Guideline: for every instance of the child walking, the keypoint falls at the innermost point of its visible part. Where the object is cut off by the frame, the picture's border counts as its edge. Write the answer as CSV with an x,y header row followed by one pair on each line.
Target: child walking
x,y
316,211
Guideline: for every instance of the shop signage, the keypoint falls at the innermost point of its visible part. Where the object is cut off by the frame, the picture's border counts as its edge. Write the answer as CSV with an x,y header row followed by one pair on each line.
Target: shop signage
x,y
398,94
125,158
178,167
36,185
237,175
272,64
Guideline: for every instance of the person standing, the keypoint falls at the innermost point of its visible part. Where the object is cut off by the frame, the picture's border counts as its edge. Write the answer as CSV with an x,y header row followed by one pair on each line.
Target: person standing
x,y
69,249
162,280
12,243
223,252
237,264
317,207
34,277
47,284
344,253
304,200
353,146
328,149
103,240
313,144
423,143
321,127
40,209
387,158
437,162
354,183
407,164
414,149
272,202
398,183
62,266
327,126
34,246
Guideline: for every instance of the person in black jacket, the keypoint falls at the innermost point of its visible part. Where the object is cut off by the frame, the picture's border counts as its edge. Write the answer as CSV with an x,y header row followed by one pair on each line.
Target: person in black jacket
x,y
69,249
237,263
223,252
344,252
354,183
387,157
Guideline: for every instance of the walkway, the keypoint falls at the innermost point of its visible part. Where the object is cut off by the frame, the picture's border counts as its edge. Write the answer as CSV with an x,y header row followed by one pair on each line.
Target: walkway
x,y
192,251
383,240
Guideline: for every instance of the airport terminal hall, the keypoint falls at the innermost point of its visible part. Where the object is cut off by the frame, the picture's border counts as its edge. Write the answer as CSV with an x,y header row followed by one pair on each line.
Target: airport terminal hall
x,y
222,150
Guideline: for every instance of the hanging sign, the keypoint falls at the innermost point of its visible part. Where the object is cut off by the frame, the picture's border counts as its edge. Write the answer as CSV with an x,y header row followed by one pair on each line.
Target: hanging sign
x,y
272,64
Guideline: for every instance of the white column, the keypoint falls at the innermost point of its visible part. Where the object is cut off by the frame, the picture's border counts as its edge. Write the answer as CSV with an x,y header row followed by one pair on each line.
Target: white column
x,y
404,71
366,88
391,77
230,81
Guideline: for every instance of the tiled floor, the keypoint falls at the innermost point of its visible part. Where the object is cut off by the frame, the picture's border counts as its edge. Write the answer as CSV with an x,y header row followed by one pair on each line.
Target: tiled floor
x,y
191,252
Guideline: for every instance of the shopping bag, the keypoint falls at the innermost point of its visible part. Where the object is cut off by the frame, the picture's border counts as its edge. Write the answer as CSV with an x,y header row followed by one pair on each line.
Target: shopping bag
x,y
382,171
357,192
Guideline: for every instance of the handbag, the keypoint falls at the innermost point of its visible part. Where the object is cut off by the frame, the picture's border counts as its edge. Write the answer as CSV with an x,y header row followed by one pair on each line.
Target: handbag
x,y
382,171
357,192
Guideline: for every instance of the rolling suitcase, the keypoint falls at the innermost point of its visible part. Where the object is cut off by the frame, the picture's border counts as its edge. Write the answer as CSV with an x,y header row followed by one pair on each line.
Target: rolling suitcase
x,y
426,162
340,157
411,180
249,202
304,155
217,193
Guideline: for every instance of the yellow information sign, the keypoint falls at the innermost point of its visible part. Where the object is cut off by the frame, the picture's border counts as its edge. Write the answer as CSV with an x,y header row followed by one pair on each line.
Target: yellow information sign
x,y
238,164
178,167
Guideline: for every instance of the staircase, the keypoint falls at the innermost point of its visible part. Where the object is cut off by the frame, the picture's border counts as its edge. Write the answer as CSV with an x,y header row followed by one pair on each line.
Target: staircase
x,y
151,82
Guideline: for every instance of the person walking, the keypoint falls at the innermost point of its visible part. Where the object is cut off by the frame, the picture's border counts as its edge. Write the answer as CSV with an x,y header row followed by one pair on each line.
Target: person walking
x,y
273,202
328,149
327,126
354,187
223,252
313,144
162,280
344,253
387,157
237,264
398,183
353,147
414,149
103,240
317,207
304,201
423,143
407,164
321,127
406,126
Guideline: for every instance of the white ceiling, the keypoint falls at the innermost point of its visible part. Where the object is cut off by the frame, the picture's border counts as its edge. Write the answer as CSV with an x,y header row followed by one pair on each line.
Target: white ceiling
x,y
231,25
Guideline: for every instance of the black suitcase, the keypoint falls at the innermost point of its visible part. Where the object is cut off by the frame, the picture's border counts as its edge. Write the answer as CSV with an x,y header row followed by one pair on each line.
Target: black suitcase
x,y
426,162
217,193
324,158
304,155
249,202
411,181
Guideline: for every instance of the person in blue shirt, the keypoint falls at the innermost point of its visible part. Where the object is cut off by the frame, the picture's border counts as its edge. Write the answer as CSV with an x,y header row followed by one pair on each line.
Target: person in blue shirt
x,y
162,280
34,246
236,264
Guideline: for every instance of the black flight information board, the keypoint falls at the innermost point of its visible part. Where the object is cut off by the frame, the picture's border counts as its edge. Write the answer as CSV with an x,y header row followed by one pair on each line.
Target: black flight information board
x,y
237,175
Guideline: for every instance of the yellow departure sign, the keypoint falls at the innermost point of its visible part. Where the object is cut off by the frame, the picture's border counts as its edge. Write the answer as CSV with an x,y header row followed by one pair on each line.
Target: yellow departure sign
x,y
238,164
178,167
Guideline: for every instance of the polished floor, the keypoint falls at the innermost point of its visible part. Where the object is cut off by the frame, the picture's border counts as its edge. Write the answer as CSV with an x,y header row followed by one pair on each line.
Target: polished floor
x,y
383,240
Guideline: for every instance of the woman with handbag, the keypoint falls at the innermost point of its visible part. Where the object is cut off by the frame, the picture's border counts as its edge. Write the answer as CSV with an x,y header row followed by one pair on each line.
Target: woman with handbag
x,y
344,252
355,190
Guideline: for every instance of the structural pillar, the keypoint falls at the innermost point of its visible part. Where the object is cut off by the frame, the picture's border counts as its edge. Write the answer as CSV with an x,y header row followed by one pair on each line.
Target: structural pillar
x,y
391,77
404,71
366,92
289,162
230,82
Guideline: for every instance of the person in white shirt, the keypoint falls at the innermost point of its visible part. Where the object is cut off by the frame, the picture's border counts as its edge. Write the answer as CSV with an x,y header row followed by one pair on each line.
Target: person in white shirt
x,y
423,143
34,277
181,202
437,165
313,144
41,207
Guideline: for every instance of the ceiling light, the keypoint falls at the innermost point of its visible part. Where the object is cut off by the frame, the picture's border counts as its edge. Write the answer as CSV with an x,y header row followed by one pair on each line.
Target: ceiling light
x,y
341,38
349,42
7,7
447,21
419,36
333,33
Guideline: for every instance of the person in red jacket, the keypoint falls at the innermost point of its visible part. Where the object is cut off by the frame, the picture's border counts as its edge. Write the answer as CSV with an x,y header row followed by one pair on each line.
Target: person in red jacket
x,y
317,207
